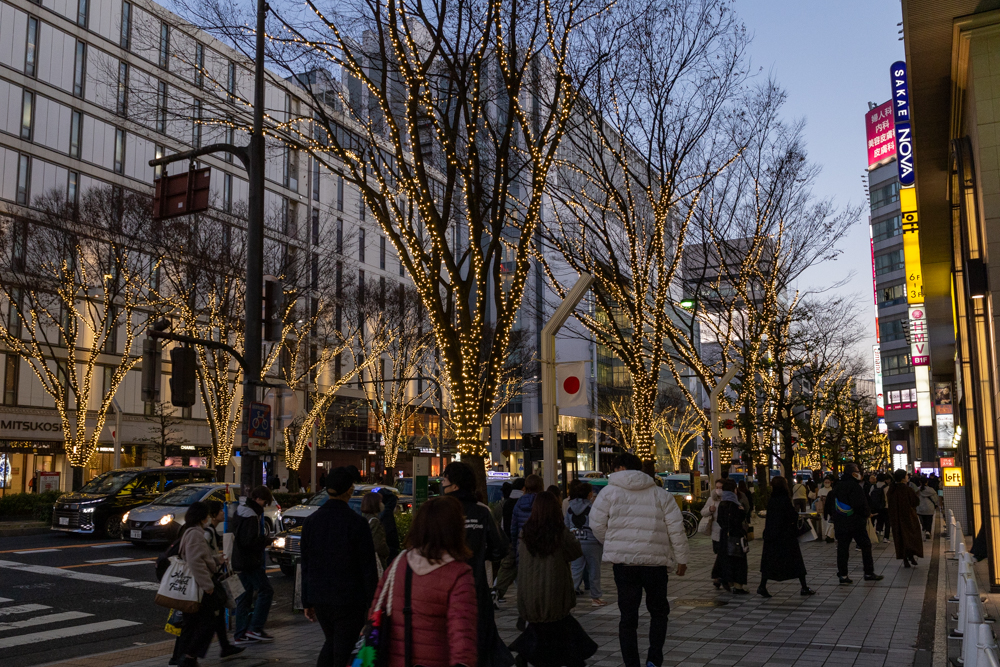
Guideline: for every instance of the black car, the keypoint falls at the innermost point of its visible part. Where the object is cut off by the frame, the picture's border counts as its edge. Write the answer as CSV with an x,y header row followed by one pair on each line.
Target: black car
x,y
99,505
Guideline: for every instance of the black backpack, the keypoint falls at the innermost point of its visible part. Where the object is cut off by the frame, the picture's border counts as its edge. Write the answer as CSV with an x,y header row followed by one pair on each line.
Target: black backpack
x,y
579,520
163,560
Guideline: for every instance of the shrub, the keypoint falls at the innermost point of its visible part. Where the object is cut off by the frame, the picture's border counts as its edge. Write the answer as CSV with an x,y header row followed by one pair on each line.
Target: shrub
x,y
403,523
28,505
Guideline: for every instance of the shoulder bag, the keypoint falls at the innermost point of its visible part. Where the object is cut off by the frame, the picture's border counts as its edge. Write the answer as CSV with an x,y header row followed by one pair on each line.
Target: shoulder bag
x,y
178,588
372,648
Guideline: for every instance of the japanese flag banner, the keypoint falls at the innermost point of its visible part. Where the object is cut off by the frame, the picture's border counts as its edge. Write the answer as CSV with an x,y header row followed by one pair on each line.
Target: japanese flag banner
x,y
728,426
571,384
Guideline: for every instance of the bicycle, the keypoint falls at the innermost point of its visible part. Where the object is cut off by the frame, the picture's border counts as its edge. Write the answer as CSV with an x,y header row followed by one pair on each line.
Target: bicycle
x,y
691,521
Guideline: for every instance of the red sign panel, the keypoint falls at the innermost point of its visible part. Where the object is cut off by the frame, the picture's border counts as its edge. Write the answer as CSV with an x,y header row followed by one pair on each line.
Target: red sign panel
x,y
947,462
181,194
881,134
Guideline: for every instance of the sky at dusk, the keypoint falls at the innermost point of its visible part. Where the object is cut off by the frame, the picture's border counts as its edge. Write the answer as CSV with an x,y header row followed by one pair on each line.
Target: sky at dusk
x,y
832,59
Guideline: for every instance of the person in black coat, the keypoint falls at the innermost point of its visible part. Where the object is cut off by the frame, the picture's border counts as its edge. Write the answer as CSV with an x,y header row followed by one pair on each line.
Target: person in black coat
x,y
731,561
508,566
484,539
388,519
339,574
781,557
848,509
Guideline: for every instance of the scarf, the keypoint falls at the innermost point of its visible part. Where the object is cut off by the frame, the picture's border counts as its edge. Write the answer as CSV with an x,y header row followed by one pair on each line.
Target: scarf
x,y
730,496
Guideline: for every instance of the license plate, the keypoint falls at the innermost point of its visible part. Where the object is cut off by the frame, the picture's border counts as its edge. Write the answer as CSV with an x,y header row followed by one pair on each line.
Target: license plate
x,y
64,521
136,534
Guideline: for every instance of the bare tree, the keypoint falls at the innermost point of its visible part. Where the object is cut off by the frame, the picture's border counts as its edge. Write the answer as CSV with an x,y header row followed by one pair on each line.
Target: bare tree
x,y
658,123
166,431
78,284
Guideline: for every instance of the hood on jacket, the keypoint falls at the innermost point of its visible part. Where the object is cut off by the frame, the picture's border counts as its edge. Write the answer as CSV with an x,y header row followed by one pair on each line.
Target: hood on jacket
x,y
516,493
250,510
389,500
526,501
579,505
465,495
421,565
633,480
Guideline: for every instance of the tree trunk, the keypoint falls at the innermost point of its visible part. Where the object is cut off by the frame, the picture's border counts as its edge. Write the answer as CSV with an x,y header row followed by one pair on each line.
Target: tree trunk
x,y
77,477
478,464
642,425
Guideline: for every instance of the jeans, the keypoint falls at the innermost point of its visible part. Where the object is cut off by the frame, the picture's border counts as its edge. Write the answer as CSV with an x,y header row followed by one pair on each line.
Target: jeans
x,y
631,581
253,581
341,626
589,564
860,535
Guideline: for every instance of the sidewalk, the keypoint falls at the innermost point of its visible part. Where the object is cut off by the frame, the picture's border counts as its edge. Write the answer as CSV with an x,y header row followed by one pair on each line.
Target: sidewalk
x,y
867,624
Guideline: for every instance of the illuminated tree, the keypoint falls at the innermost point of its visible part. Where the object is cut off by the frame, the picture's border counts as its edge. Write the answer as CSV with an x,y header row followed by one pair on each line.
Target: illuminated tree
x,y
679,429
662,119
78,284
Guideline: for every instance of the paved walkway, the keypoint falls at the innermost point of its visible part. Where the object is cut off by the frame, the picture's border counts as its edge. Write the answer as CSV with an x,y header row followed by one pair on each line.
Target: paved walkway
x,y
867,624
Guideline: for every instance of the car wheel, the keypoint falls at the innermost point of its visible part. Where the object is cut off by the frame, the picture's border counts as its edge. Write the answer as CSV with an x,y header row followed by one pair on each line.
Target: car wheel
x,y
268,526
288,570
113,527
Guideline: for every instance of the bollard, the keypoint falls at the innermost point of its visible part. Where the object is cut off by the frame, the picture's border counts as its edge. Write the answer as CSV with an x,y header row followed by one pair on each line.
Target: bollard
x,y
973,625
959,588
986,647
971,593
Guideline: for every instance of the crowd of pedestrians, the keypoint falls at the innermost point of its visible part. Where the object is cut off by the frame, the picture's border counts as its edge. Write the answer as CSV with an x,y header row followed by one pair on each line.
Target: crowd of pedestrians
x,y
431,601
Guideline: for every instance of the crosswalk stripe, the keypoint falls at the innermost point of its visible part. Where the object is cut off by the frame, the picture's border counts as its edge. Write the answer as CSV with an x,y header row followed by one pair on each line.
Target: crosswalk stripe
x,y
80,576
22,609
145,561
2,600
34,551
108,560
110,544
62,633
44,620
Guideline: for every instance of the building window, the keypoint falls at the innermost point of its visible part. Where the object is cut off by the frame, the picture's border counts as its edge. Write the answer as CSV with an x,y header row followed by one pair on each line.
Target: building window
x,y
23,179
340,192
164,45
196,124
82,12
892,295
901,399
339,240
361,245
891,330
402,269
125,39
362,209
75,133
381,252
338,364
230,139
885,195
886,229
111,339
79,69
10,373
381,292
315,226
314,271
31,48
199,65
291,219
27,115
890,261
227,193
231,82
292,169
119,151
122,102
73,188
896,364
315,179
161,107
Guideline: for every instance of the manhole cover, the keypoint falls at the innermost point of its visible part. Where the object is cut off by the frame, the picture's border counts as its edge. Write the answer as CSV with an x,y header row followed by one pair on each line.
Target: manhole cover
x,y
698,603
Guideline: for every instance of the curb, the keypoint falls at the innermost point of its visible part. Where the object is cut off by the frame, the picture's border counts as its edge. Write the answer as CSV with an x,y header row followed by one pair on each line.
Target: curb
x,y
21,529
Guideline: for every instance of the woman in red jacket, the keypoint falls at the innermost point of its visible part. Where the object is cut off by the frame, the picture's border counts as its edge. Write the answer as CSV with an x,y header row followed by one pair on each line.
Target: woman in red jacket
x,y
443,593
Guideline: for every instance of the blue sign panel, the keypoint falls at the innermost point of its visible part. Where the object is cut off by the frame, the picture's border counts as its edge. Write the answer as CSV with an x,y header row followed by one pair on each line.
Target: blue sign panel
x,y
260,421
901,116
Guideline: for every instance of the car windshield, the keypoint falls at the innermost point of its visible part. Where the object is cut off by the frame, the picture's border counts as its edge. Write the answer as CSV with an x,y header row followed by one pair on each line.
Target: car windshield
x,y
182,496
678,486
108,483
318,499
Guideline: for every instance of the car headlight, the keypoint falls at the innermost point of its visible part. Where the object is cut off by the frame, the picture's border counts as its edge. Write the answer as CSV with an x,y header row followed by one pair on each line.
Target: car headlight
x,y
279,543
166,519
125,517
688,497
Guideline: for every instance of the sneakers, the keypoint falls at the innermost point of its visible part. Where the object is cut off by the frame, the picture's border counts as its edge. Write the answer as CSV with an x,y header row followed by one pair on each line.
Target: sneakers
x,y
597,602
244,640
230,651
260,636
845,580
874,577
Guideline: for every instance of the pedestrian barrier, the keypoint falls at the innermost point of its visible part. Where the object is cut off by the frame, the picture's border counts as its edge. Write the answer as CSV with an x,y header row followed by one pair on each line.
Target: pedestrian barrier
x,y
979,648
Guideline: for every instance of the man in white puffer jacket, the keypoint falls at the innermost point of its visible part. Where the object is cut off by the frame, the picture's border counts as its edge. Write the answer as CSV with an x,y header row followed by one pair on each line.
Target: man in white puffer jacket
x,y
642,530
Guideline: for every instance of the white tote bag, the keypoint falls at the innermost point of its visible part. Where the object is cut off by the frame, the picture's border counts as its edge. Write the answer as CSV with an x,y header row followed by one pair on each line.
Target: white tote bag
x,y
178,588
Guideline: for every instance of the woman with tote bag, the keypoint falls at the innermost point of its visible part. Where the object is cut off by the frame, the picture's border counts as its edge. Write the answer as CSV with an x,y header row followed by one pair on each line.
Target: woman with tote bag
x,y
203,562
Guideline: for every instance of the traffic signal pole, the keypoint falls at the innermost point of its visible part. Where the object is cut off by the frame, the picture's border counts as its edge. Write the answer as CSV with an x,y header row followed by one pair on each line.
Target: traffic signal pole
x,y
252,157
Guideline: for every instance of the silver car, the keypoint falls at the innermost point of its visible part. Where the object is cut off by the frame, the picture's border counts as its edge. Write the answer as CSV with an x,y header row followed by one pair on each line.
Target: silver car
x,y
161,520
295,515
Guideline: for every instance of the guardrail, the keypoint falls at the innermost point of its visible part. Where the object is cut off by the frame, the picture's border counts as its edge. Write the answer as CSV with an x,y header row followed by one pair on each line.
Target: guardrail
x,y
973,629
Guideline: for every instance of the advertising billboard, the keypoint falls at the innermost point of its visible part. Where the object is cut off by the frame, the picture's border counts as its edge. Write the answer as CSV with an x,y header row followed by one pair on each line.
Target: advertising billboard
x,y
901,123
879,397
881,134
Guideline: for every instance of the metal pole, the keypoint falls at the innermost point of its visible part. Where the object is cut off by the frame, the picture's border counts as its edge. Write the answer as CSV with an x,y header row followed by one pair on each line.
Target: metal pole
x,y
550,415
315,461
714,466
249,472
118,433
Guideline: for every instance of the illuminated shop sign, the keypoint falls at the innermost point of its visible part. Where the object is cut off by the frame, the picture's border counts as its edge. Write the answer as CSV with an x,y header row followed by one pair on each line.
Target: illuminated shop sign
x,y
901,118
880,132
879,397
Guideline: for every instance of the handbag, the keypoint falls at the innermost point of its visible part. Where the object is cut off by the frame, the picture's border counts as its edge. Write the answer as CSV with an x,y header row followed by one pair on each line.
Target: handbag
x,y
178,588
737,546
872,533
372,647
806,532
232,585
705,525
175,623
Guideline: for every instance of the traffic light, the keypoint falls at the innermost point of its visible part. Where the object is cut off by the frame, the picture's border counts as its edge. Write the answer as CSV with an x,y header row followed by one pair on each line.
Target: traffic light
x,y
183,378
273,309
150,370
